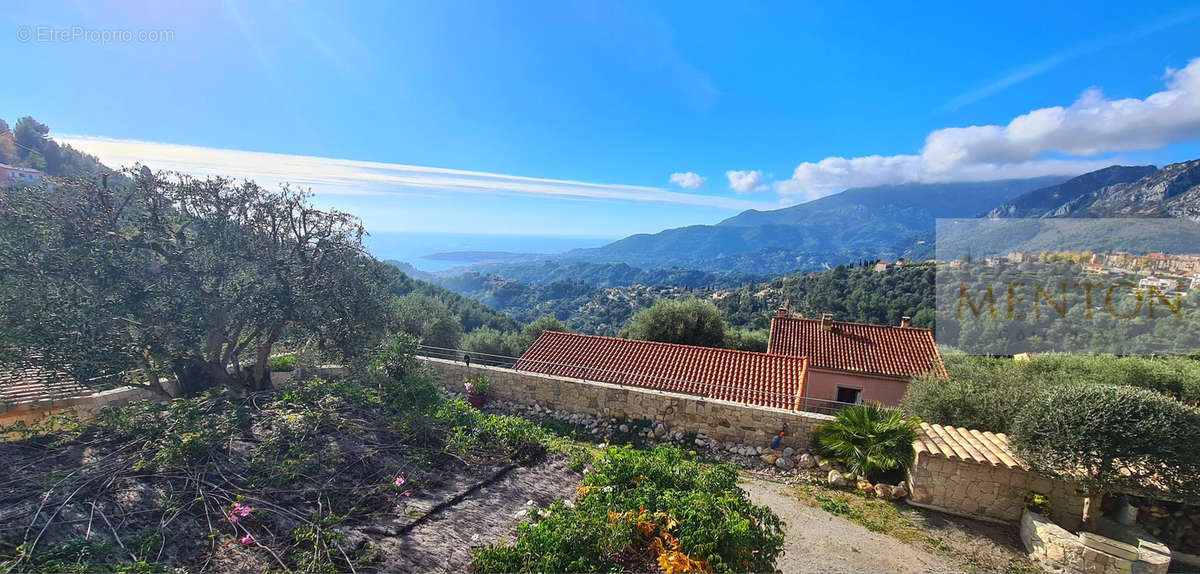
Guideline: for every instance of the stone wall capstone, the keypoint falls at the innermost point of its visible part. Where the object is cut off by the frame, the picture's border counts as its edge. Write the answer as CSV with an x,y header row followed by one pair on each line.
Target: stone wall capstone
x,y
722,421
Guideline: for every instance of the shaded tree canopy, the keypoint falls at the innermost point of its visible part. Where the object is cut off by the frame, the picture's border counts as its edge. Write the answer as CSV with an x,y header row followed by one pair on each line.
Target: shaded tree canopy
x,y
1111,438
686,322
172,275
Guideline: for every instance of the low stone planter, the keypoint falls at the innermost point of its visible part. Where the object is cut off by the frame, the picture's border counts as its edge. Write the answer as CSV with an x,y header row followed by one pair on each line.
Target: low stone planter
x,y
1060,550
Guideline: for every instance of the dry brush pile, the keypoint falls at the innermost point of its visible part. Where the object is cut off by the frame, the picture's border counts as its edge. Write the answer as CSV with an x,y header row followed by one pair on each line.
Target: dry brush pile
x,y
296,479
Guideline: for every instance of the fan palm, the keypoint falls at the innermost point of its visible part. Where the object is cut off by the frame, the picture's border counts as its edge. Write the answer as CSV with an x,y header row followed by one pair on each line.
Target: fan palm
x,y
869,438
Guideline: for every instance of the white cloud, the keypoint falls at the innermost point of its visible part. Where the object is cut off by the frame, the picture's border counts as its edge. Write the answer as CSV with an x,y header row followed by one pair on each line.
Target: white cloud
x,y
687,179
1092,126
744,181
350,177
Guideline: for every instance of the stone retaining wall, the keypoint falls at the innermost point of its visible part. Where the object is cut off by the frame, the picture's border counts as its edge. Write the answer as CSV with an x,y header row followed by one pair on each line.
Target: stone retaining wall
x,y
992,492
1058,549
86,405
722,421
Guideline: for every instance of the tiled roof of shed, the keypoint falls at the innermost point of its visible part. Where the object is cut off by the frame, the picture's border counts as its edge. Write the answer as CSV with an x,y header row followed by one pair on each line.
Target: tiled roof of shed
x,y
740,376
895,352
967,445
31,384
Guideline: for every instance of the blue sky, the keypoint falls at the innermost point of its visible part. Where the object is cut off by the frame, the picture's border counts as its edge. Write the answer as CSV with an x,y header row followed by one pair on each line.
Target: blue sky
x,y
571,118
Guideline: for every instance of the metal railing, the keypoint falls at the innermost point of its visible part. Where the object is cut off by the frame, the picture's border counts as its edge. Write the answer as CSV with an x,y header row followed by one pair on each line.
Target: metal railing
x,y
785,401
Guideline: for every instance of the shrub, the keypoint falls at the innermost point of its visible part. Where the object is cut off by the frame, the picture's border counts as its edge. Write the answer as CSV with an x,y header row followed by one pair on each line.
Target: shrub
x,y
869,438
396,359
747,340
493,347
642,511
282,363
686,322
1112,439
988,394
479,385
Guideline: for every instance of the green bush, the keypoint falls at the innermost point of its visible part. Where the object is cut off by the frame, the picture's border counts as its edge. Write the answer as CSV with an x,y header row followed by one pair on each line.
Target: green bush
x,y
492,346
747,340
1113,439
869,438
640,510
988,394
282,363
686,322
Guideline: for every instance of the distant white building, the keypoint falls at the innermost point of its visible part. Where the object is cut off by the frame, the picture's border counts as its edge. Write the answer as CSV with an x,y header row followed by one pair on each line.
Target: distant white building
x,y
12,175
1164,286
1195,282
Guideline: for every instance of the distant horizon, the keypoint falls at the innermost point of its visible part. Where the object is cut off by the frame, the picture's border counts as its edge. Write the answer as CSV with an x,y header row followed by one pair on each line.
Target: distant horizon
x,y
414,247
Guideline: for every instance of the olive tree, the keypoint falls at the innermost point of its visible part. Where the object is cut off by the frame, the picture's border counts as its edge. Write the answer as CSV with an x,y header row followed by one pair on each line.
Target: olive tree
x,y
687,322
1109,438
169,275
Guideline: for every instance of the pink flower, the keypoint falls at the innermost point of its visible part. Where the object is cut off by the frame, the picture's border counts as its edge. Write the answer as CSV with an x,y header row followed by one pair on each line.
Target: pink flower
x,y
239,511
247,539
406,493
399,480
469,386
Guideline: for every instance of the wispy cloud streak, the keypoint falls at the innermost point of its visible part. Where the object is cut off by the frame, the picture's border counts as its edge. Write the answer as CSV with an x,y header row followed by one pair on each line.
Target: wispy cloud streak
x,y
334,176
1018,75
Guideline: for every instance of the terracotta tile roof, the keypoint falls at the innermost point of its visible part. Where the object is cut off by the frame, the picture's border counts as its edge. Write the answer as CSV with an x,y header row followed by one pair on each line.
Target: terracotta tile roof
x,y
967,445
882,350
740,376
32,384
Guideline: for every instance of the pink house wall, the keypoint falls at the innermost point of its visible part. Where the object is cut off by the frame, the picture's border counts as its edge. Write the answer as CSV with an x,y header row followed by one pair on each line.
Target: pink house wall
x,y
823,385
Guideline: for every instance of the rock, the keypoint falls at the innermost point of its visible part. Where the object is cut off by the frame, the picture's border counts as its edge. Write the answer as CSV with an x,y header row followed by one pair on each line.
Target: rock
x,y
769,457
836,479
824,465
784,462
899,492
851,477
789,451
807,461
759,450
865,485
660,430
623,428
883,490
678,435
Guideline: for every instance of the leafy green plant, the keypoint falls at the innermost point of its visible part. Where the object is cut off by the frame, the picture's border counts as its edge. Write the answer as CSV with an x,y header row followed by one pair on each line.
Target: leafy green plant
x,y
478,385
643,511
869,438
282,363
1109,438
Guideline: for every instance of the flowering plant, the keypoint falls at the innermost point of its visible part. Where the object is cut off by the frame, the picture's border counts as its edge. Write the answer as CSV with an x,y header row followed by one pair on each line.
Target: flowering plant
x,y
479,385
239,511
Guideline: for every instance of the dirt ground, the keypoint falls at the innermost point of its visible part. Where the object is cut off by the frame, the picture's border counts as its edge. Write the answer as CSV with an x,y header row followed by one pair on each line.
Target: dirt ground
x,y
476,516
818,541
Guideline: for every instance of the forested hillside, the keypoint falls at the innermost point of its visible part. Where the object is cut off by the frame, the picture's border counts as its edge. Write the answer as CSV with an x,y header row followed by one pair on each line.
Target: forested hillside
x,y
28,144
856,293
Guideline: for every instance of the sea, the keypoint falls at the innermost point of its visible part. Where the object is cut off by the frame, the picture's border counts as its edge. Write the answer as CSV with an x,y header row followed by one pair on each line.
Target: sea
x,y
413,248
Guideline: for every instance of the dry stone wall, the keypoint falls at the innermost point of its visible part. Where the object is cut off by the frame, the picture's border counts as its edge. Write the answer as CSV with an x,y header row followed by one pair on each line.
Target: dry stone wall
x,y
721,421
1059,550
987,491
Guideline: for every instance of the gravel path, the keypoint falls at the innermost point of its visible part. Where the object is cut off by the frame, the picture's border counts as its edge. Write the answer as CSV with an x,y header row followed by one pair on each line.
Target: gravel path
x,y
817,541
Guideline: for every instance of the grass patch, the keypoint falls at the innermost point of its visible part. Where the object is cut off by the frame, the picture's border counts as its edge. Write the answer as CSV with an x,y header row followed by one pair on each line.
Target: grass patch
x,y
871,513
